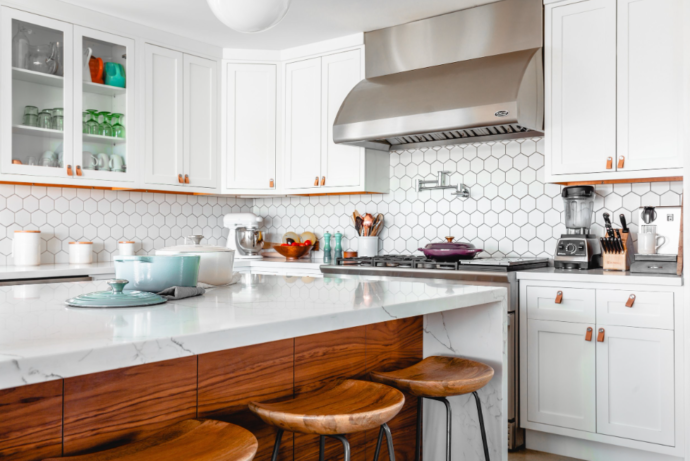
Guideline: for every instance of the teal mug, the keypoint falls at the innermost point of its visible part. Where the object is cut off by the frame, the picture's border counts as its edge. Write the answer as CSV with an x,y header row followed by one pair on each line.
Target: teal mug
x,y
114,74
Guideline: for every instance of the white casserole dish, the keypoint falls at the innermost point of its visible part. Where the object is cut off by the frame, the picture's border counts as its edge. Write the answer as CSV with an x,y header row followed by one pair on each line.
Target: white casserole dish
x,y
216,262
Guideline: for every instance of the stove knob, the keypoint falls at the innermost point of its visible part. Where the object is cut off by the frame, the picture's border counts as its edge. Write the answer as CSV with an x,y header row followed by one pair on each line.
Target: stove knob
x,y
571,248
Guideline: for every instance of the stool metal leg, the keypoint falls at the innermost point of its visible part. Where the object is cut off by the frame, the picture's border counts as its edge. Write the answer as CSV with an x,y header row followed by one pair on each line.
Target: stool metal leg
x,y
389,441
378,445
420,414
481,425
276,447
322,447
346,445
448,424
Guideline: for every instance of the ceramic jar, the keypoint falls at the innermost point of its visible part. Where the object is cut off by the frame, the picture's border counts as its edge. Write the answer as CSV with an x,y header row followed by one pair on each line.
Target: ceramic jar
x,y
125,248
26,248
368,246
80,252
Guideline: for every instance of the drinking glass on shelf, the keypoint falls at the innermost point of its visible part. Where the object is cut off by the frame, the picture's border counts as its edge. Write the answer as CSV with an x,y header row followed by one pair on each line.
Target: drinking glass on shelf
x,y
32,161
30,116
57,112
85,116
58,123
30,110
106,129
45,120
118,127
93,125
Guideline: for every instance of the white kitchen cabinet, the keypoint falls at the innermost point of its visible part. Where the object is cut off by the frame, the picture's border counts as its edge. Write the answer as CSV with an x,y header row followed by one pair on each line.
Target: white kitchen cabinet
x,y
580,58
613,76
181,119
164,116
250,127
650,80
635,384
200,121
561,375
303,125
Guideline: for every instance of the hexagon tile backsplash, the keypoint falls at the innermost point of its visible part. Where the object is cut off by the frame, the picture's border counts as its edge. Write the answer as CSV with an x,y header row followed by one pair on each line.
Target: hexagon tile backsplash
x,y
511,210
154,221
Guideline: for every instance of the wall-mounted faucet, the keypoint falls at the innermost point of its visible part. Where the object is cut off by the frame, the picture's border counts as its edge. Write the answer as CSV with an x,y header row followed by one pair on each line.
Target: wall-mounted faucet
x,y
441,182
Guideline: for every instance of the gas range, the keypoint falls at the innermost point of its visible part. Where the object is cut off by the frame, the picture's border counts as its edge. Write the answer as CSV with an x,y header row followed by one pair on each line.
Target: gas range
x,y
402,262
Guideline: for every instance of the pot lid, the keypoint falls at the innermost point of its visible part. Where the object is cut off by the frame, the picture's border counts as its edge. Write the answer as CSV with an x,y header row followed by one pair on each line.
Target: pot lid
x,y
194,247
449,245
116,297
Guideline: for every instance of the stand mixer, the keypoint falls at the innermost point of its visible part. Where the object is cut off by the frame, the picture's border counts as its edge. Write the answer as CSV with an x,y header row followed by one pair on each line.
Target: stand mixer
x,y
578,249
244,237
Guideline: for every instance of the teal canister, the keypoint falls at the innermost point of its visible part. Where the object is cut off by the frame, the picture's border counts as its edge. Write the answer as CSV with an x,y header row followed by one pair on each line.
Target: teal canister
x,y
114,74
338,252
327,251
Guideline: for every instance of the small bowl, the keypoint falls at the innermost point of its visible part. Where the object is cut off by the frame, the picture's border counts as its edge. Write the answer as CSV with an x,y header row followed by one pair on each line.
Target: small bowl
x,y
293,253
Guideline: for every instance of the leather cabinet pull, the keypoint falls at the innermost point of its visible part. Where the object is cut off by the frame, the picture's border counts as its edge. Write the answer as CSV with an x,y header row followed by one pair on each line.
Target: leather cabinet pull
x,y
588,335
186,179
609,163
270,183
559,297
179,179
69,170
600,336
316,181
621,162
78,170
630,301
323,180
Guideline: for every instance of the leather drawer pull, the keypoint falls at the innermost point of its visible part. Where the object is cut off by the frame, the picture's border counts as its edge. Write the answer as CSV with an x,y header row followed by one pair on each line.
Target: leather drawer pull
x,y
621,162
316,181
323,180
270,183
69,170
588,336
559,297
186,179
609,163
631,301
179,179
600,336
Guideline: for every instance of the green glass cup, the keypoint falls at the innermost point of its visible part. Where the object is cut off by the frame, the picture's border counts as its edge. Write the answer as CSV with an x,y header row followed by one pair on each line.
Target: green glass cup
x,y
118,127
92,124
85,117
105,128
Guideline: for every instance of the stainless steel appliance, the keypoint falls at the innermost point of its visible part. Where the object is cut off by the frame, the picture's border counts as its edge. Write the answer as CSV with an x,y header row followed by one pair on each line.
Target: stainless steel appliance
x,y
667,221
244,236
479,271
474,75
578,249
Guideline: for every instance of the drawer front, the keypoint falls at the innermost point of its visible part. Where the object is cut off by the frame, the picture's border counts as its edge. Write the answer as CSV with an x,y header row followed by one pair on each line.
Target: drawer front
x,y
650,309
576,304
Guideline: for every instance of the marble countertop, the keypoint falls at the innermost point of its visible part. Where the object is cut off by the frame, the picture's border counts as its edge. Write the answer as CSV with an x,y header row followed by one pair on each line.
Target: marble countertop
x,y
55,270
42,339
600,276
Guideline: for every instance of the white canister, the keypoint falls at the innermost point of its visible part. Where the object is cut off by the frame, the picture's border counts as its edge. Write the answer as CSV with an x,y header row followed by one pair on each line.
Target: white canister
x,y
26,248
80,252
368,246
125,248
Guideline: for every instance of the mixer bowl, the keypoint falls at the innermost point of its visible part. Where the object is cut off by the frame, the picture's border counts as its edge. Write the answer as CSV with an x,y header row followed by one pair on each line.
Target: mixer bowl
x,y
249,240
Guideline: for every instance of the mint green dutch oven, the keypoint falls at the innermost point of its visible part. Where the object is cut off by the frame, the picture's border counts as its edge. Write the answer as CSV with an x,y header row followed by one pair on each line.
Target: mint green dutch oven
x,y
156,273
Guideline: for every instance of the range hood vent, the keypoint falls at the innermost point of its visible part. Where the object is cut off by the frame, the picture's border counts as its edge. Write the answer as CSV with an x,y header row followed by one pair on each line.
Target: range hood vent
x,y
471,76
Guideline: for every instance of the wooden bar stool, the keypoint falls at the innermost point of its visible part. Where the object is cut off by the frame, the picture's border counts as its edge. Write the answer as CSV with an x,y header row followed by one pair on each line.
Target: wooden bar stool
x,y
192,440
436,378
342,408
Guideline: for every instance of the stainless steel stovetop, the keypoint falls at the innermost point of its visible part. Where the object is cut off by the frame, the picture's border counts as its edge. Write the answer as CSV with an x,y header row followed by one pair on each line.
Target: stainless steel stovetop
x,y
402,262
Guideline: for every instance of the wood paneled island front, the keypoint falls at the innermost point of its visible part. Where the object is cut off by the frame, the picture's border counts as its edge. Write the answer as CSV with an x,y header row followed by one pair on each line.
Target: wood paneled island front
x,y
266,338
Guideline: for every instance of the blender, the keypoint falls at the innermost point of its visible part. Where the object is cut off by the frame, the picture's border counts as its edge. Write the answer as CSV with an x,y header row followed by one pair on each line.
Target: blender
x,y
578,249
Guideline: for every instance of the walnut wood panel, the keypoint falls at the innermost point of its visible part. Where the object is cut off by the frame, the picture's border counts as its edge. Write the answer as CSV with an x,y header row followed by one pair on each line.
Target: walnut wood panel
x,y
108,409
31,421
394,345
319,360
228,380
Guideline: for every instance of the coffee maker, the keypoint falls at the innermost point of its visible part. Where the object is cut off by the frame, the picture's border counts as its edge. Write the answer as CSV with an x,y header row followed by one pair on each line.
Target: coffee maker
x,y
578,249
244,236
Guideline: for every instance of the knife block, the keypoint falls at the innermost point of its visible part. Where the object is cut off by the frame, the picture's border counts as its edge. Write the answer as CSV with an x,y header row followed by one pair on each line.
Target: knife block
x,y
619,261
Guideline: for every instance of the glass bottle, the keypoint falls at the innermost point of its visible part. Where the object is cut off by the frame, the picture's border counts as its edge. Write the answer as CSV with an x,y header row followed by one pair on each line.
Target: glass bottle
x,y
338,252
93,125
20,48
118,127
105,128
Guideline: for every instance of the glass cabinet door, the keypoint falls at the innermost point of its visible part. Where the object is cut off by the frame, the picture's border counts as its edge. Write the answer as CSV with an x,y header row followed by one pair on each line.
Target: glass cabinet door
x,y
37,110
103,97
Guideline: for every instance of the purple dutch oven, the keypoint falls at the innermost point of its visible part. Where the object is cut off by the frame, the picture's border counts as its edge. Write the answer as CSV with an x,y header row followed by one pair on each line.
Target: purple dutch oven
x,y
449,251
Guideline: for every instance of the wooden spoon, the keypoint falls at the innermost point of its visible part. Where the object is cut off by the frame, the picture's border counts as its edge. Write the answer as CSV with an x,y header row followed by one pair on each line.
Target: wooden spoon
x,y
378,225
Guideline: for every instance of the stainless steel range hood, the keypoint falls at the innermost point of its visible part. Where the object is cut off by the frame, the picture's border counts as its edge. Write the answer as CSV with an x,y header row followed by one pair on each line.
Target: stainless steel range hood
x,y
471,76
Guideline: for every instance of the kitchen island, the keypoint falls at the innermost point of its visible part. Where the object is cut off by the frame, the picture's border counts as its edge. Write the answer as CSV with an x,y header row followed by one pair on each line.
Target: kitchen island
x,y
76,380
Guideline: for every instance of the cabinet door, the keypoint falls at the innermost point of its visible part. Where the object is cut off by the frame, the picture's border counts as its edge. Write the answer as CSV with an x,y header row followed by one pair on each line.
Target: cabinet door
x,y
650,80
341,165
251,126
200,121
104,112
580,53
38,144
302,163
635,384
560,375
164,116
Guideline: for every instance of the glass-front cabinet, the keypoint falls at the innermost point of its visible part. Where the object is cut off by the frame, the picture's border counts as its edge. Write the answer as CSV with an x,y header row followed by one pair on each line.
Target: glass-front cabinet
x,y
67,103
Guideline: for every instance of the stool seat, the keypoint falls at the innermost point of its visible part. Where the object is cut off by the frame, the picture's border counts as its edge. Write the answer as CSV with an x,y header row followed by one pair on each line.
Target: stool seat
x,y
192,440
438,377
342,408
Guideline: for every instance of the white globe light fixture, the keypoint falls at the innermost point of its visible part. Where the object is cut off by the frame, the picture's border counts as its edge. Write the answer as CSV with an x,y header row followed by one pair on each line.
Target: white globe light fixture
x,y
249,16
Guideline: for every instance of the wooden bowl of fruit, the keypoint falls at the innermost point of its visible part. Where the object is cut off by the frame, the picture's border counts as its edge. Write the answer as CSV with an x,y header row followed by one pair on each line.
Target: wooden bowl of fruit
x,y
294,250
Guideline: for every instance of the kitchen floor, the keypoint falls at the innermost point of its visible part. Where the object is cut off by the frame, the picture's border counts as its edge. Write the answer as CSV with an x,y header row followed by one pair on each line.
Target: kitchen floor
x,y
530,455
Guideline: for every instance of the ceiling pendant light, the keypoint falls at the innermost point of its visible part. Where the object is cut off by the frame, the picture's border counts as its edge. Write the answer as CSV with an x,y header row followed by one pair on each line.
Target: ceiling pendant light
x,y
249,16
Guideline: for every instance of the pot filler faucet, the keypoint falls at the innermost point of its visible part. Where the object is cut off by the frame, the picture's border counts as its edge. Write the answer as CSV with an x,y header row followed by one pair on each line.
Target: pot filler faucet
x,y
441,182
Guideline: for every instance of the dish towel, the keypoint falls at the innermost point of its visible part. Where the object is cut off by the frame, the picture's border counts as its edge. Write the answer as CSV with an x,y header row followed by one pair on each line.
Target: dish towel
x,y
175,293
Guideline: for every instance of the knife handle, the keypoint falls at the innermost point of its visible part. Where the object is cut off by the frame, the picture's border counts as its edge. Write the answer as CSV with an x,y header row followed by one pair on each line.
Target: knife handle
x,y
624,223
